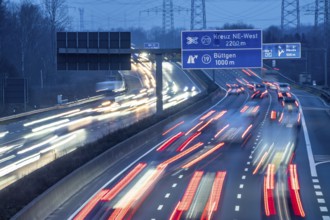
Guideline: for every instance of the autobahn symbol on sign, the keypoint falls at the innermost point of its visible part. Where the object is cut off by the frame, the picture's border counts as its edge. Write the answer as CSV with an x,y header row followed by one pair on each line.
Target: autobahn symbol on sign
x,y
221,49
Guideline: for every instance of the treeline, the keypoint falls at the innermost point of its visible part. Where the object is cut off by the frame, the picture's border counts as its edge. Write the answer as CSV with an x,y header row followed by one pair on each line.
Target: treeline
x,y
27,38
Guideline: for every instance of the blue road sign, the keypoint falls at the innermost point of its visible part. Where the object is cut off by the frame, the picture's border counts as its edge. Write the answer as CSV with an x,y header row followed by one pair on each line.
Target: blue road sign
x,y
221,59
221,49
221,39
281,51
151,45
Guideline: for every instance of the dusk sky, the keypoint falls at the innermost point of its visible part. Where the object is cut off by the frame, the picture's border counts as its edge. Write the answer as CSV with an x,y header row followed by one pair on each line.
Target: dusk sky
x,y
126,13
107,14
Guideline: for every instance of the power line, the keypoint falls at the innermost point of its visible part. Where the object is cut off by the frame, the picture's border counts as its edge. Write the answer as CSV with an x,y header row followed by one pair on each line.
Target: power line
x,y
167,10
198,15
290,15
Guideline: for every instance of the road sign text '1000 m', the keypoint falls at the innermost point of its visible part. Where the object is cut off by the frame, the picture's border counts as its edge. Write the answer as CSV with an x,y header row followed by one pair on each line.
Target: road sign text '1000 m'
x,y
221,49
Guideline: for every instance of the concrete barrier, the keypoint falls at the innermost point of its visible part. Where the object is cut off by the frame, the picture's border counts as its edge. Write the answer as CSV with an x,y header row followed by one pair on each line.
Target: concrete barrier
x,y
66,105
54,197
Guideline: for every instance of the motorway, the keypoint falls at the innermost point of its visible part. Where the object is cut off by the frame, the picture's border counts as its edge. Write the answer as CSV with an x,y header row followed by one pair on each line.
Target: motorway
x,y
29,143
220,161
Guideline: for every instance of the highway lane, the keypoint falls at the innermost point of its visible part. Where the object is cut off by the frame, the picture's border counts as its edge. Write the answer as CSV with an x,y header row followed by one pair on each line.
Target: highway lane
x,y
110,176
152,158
63,131
248,180
314,164
317,122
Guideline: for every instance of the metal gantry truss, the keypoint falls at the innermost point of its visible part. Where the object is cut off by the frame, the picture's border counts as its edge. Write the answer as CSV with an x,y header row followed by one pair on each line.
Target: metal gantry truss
x,y
168,19
290,15
198,15
320,10
81,19
167,9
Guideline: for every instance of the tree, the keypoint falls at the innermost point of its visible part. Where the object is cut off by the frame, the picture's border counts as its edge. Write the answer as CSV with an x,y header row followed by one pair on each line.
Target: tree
x,y
57,14
2,21
272,34
30,21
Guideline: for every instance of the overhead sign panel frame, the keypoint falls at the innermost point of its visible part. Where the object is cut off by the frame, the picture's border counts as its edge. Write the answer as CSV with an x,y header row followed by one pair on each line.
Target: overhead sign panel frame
x,y
221,49
93,51
281,50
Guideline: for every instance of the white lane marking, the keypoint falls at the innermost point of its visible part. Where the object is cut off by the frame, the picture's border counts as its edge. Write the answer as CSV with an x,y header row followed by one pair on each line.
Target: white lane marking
x,y
239,196
323,209
160,207
317,187
243,177
241,186
315,180
248,163
319,193
246,169
180,177
319,163
325,217
174,185
113,178
308,142
250,157
320,200
237,208
176,173
167,195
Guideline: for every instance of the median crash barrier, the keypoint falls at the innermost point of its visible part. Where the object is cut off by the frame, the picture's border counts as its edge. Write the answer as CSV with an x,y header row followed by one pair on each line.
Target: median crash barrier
x,y
64,105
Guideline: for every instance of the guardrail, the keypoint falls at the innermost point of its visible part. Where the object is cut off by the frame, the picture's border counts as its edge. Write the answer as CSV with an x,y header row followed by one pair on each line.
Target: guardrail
x,y
60,106
325,94
322,92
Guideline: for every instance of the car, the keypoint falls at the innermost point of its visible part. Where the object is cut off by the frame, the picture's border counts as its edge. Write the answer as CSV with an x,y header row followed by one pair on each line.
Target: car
x,y
290,102
251,108
259,91
283,87
270,84
234,129
290,115
235,89
281,95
